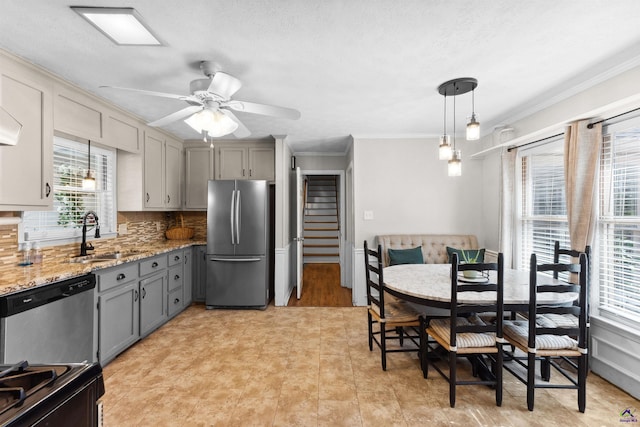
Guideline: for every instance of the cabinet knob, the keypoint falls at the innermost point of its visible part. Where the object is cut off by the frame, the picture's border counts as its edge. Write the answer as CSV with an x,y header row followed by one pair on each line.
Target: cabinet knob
x,y
176,277
176,258
121,276
154,265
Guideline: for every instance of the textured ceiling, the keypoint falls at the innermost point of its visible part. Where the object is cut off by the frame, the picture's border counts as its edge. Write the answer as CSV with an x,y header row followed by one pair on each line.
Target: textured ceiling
x,y
351,67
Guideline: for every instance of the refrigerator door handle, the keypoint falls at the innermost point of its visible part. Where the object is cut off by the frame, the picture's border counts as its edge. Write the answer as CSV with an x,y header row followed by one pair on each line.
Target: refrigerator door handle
x,y
235,259
237,217
232,210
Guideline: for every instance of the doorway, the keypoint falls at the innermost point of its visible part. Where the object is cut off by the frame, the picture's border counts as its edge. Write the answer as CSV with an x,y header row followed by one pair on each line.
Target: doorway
x,y
322,219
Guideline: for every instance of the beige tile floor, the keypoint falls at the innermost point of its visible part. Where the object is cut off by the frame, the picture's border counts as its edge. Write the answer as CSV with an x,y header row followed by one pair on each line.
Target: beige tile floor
x,y
307,366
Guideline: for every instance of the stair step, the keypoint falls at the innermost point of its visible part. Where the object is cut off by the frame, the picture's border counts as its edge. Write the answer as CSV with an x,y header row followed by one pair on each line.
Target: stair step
x,y
321,245
321,199
315,218
323,205
318,254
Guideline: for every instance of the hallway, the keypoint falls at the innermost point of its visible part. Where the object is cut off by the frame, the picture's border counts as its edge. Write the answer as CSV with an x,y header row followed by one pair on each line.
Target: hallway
x,y
321,288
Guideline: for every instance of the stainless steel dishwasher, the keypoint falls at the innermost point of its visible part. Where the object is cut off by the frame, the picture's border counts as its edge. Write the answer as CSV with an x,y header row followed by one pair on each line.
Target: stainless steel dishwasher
x,y
50,323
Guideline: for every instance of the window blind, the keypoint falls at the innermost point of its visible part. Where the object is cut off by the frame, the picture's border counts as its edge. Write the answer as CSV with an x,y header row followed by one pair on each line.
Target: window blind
x,y
619,225
70,201
544,213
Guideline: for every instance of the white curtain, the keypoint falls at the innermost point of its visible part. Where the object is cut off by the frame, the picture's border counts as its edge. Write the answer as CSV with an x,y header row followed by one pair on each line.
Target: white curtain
x,y
581,155
507,205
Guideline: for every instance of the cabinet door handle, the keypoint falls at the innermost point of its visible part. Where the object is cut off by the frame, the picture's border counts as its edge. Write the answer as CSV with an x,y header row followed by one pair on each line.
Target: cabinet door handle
x,y
147,197
48,189
144,293
176,258
154,265
185,259
120,276
242,172
135,296
168,198
250,172
176,277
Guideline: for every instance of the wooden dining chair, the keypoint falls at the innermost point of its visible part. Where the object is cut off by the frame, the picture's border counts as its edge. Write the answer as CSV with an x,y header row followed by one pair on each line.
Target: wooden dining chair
x,y
571,253
557,336
464,333
396,320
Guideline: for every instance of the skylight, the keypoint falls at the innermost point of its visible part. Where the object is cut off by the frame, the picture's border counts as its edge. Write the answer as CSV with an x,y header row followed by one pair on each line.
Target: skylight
x,y
124,26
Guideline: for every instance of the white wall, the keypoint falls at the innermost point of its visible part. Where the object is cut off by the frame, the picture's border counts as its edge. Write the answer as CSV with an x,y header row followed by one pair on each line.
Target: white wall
x,y
283,276
408,190
321,162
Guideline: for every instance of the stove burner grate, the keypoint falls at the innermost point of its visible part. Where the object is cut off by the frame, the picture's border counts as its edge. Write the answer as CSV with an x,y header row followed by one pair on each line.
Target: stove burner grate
x,y
20,381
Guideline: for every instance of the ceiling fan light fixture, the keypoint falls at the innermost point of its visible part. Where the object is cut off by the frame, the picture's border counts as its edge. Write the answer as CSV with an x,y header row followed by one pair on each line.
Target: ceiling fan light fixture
x,y
214,122
122,25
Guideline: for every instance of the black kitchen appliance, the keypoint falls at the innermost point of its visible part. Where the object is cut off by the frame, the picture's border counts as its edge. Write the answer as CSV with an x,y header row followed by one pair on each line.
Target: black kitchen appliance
x,y
51,395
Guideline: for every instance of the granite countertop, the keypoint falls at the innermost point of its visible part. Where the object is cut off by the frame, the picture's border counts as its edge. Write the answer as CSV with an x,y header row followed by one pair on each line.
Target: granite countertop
x,y
21,278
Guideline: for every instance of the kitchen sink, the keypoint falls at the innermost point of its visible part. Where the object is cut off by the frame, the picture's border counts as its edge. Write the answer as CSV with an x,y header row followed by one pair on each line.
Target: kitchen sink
x,y
89,259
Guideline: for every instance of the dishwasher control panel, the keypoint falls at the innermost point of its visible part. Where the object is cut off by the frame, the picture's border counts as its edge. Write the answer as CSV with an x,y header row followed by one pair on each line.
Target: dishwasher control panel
x,y
19,302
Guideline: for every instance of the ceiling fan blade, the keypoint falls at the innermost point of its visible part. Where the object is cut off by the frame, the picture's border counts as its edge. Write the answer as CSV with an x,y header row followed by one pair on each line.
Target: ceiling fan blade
x,y
267,110
180,114
242,131
187,98
224,84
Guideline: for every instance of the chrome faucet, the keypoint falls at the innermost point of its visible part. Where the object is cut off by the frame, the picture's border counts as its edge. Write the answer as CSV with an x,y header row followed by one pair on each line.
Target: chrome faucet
x,y
84,246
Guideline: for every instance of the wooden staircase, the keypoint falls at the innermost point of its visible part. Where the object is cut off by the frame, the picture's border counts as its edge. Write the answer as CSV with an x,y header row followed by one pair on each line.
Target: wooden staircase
x,y
321,220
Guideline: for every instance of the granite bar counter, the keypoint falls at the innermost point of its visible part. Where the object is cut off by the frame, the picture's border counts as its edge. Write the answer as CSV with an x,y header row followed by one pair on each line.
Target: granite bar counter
x,y
26,277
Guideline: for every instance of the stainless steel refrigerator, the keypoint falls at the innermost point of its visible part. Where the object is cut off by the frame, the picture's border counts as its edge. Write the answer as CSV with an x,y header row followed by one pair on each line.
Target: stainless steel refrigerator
x,y
237,236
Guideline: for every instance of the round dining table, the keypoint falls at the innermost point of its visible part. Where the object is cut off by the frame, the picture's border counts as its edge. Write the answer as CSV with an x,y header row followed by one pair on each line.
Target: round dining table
x,y
430,285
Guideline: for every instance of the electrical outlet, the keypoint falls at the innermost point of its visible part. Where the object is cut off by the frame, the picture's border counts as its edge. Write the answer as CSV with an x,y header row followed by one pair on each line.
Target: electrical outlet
x,y
122,229
158,226
368,215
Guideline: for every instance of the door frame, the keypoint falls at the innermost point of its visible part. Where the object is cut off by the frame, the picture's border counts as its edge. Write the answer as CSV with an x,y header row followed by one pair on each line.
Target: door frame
x,y
341,219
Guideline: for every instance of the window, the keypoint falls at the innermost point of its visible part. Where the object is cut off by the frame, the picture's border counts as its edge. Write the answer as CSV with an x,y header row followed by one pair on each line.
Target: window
x,y
543,212
619,223
70,201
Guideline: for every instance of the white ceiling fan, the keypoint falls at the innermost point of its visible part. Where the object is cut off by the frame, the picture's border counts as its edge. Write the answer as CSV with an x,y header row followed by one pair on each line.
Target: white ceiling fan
x,y
210,105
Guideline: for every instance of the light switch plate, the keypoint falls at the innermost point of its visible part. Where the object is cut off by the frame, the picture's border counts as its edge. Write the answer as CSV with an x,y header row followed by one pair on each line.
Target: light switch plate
x,y
368,215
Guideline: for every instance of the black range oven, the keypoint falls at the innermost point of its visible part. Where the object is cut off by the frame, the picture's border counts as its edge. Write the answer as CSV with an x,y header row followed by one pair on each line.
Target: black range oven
x,y
51,395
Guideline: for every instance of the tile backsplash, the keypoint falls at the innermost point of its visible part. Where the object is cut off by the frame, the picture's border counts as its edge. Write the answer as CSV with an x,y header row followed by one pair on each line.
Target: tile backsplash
x,y
141,228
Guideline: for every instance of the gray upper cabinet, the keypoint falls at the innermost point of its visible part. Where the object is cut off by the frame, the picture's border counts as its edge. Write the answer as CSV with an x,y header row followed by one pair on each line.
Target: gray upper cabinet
x,y
122,133
249,161
199,169
76,114
26,169
151,180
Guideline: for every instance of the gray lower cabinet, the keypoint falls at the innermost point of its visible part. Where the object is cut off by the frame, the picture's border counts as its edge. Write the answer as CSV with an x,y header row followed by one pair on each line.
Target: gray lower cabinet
x,y
187,284
199,273
135,298
153,293
118,311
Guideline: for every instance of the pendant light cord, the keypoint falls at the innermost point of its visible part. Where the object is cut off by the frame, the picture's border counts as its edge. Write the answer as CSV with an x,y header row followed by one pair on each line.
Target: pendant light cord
x,y
455,89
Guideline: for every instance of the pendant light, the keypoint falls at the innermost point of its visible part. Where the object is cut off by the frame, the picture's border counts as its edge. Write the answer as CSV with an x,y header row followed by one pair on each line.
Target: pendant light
x,y
89,182
454,88
444,149
454,166
473,127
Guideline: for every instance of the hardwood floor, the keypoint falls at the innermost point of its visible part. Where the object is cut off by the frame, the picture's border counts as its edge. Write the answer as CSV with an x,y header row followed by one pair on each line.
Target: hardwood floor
x,y
321,288
311,366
